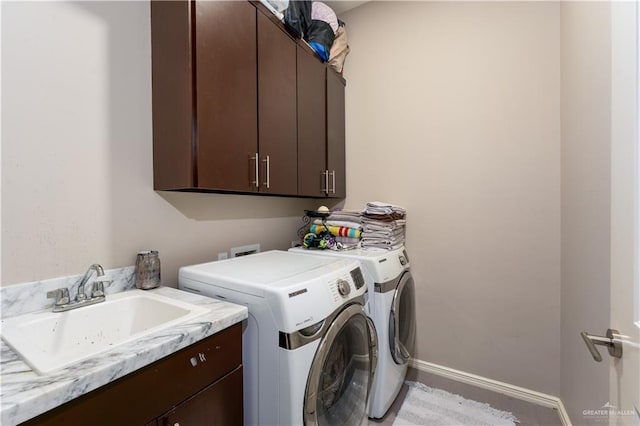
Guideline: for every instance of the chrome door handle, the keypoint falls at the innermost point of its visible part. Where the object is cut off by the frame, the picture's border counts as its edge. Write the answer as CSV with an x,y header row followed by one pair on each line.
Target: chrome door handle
x,y
611,341
256,171
326,182
266,161
333,180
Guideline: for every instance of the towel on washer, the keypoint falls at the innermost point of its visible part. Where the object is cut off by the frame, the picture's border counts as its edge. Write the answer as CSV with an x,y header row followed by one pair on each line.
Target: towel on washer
x,y
336,231
343,223
382,243
376,225
380,208
390,234
348,242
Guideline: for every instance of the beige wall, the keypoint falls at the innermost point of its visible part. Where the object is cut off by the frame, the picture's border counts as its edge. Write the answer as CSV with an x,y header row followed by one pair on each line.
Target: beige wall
x,y
586,179
77,158
453,111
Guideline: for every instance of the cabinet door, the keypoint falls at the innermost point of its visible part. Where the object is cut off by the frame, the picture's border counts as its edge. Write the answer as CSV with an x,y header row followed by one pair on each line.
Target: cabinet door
x,y
277,134
312,157
336,135
218,404
172,95
226,94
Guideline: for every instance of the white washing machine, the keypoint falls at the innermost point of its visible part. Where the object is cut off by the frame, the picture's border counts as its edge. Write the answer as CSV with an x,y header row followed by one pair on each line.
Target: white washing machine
x,y
392,309
309,348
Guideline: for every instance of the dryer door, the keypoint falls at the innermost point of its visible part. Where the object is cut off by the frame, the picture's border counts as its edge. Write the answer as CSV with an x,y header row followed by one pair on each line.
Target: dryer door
x,y
342,371
402,320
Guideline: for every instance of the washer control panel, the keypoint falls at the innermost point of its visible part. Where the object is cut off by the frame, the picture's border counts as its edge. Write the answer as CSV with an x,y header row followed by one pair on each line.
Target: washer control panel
x,y
346,286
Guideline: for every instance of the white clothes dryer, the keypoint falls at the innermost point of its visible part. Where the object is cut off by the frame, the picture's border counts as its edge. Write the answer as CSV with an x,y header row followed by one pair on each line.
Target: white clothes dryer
x,y
309,348
392,309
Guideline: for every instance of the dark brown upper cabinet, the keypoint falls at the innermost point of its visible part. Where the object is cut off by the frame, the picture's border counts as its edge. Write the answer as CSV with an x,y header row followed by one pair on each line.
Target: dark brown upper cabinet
x,y
277,134
241,106
312,133
321,129
205,120
336,167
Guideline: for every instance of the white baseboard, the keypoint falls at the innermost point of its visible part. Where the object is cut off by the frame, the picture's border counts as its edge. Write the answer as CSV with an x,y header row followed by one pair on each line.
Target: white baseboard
x,y
528,395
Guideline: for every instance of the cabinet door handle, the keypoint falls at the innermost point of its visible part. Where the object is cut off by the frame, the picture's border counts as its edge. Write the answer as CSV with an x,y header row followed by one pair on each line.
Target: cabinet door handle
x,y
333,180
325,188
256,171
266,161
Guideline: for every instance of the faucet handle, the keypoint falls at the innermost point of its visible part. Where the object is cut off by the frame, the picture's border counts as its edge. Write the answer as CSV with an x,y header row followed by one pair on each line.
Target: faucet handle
x,y
61,296
98,288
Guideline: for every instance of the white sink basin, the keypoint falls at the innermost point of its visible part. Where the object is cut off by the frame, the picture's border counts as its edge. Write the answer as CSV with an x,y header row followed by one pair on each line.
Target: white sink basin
x,y
48,341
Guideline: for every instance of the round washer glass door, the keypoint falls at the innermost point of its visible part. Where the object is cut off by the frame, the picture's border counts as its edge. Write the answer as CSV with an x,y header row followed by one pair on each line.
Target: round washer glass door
x,y
402,320
340,377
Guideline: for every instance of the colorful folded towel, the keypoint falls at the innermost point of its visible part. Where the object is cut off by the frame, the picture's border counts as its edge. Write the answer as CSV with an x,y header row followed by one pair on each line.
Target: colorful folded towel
x,y
344,223
337,231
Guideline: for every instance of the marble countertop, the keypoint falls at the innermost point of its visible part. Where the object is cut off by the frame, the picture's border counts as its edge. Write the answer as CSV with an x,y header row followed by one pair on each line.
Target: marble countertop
x,y
24,394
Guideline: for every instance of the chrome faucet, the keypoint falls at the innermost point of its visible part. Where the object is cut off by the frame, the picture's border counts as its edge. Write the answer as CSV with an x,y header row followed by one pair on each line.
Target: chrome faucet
x,y
61,295
81,296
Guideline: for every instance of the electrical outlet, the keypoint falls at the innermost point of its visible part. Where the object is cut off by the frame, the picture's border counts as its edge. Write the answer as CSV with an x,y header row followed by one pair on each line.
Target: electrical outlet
x,y
245,250
223,255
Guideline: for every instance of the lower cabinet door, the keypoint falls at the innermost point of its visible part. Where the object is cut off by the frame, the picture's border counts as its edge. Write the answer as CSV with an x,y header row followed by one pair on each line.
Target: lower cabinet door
x,y
217,404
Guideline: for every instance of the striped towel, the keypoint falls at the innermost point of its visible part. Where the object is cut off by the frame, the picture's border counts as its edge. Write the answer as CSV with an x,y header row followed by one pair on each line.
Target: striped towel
x,y
344,223
336,231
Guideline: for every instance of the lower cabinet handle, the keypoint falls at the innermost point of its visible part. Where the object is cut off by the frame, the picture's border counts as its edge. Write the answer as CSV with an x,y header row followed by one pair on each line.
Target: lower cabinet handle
x,y
256,171
266,183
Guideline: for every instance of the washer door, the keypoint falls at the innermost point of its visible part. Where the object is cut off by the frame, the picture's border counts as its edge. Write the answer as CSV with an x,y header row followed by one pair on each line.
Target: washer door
x,y
342,371
402,320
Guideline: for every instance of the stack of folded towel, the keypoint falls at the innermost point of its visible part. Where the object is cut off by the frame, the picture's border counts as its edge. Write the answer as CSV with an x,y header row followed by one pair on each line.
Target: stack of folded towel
x,y
383,226
344,225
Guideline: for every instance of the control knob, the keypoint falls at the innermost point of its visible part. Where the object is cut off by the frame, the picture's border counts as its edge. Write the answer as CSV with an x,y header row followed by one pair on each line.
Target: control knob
x,y
343,287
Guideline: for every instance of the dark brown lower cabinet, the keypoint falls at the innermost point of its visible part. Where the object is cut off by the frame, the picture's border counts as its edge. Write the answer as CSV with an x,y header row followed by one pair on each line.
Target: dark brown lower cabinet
x,y
198,385
215,405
